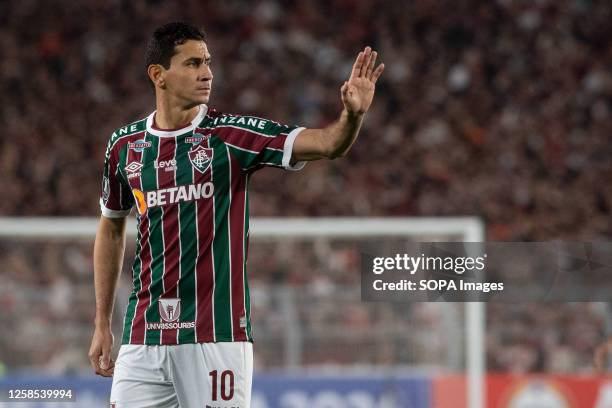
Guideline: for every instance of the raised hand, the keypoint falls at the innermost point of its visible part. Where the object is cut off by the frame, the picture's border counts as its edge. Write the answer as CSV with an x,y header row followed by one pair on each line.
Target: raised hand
x,y
358,92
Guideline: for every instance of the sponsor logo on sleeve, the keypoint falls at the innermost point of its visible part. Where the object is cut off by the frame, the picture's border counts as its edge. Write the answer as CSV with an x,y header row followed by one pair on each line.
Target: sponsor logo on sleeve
x,y
139,145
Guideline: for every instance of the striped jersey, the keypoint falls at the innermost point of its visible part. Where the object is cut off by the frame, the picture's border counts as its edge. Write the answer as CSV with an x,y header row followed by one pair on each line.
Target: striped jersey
x,y
190,190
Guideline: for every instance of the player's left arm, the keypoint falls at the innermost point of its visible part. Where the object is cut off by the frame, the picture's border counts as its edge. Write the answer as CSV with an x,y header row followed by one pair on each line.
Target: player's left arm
x,y
357,93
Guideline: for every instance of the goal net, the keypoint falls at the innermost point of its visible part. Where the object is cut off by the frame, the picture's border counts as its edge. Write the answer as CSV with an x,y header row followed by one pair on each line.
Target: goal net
x,y
308,315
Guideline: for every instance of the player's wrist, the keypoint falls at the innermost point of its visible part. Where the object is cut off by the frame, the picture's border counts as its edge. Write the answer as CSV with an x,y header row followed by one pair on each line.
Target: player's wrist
x,y
102,323
352,116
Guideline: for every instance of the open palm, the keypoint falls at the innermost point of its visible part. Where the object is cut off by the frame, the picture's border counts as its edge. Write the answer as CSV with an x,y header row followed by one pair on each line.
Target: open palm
x,y
358,91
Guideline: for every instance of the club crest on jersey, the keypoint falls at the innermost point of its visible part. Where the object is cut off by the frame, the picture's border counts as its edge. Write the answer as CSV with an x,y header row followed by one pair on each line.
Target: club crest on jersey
x,y
200,158
170,309
197,138
139,145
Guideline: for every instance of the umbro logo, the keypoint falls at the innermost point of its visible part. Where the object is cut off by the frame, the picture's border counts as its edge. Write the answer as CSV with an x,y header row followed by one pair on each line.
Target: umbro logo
x,y
133,167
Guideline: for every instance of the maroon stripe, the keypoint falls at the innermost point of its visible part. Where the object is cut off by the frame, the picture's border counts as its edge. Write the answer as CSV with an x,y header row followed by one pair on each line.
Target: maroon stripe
x,y
236,211
249,140
138,323
204,263
166,179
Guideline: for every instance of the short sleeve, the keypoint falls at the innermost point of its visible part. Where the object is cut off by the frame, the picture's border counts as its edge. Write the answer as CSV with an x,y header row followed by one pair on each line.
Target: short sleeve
x,y
116,198
257,142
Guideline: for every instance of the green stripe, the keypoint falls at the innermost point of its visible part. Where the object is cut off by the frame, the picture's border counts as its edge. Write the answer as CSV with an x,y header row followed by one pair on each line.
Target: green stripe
x,y
130,129
271,156
188,242
133,301
248,159
156,236
221,242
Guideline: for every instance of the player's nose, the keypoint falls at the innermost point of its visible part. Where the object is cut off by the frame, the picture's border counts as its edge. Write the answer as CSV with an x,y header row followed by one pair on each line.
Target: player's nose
x,y
206,73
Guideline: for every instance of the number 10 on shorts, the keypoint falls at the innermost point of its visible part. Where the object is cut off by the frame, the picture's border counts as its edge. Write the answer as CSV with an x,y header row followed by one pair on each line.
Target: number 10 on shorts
x,y
226,389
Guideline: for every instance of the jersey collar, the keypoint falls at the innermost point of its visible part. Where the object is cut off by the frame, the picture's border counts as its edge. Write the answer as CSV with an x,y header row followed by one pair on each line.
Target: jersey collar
x,y
173,133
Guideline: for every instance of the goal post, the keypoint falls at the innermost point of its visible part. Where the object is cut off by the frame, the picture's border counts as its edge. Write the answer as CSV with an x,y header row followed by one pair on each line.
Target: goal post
x,y
467,229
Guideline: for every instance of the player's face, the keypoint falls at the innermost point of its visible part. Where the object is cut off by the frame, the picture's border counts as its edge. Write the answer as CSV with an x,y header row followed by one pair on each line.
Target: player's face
x,y
189,76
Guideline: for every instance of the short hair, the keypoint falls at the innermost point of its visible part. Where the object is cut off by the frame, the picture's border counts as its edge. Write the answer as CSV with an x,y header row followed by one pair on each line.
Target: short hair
x,y
162,44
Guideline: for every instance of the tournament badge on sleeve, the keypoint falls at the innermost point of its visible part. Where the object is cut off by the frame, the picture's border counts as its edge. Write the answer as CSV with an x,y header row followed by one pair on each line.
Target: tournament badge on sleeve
x,y
200,158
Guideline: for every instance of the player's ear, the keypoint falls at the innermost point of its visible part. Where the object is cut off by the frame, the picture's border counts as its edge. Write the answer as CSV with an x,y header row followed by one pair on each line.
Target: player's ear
x,y
156,74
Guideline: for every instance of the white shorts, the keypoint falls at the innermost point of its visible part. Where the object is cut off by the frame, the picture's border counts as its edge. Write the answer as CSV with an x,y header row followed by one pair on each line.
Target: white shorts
x,y
214,375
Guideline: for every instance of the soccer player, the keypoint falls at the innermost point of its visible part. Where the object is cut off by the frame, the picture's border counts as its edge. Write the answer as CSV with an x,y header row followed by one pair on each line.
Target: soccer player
x,y
187,337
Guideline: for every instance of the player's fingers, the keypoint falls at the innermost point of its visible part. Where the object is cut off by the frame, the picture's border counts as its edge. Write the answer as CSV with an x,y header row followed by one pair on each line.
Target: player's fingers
x,y
366,61
105,373
357,65
377,72
371,65
105,360
94,358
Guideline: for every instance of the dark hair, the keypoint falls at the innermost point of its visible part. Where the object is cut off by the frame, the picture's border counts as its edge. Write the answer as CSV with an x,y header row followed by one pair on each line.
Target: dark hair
x,y
161,47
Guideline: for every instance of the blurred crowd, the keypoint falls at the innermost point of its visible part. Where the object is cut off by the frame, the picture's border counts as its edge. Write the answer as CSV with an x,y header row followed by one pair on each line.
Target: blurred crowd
x,y
500,109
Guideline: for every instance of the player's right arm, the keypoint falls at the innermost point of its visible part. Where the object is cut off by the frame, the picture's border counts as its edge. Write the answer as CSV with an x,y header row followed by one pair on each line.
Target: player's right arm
x,y
116,202
108,258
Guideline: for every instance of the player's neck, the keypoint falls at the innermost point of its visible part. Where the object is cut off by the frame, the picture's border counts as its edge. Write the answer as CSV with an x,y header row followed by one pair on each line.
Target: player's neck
x,y
173,117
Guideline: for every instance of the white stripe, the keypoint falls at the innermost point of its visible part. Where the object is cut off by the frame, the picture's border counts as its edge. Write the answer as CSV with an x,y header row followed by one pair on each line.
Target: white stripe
x,y
270,164
244,278
108,213
159,143
229,241
150,254
288,151
197,221
272,148
178,220
212,252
